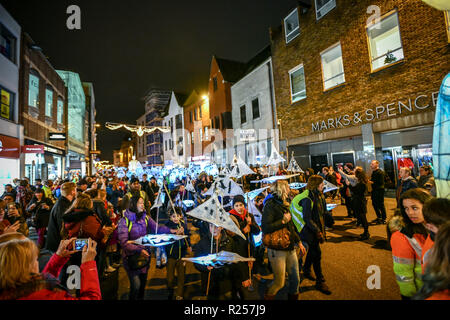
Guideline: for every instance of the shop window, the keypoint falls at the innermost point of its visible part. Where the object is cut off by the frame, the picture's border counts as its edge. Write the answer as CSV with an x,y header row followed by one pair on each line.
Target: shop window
x,y
60,111
255,108
33,89
7,104
298,86
323,7
291,26
385,44
8,44
48,102
332,67
447,23
243,115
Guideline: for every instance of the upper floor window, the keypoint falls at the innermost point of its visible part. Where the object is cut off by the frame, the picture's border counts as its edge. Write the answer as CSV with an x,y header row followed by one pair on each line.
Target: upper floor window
x,y
255,108
385,43
206,133
447,23
298,86
332,67
323,7
33,90
48,102
7,104
200,112
190,116
291,26
243,115
8,44
60,111
215,83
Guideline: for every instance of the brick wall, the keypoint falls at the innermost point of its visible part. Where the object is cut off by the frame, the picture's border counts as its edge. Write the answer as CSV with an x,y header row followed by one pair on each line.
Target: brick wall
x,y
425,47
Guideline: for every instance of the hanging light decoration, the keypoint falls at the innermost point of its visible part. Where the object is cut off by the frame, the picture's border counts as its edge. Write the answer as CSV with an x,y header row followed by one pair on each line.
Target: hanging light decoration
x,y
139,130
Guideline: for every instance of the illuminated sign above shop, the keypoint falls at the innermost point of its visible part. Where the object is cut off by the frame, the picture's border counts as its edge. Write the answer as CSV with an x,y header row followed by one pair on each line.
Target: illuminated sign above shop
x,y
421,102
57,136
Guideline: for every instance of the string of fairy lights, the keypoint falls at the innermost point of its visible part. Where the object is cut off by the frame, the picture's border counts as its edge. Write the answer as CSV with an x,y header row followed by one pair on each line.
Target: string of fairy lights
x,y
139,130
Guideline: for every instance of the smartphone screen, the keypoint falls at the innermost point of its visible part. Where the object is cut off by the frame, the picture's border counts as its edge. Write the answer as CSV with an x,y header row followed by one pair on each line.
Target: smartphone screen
x,y
80,243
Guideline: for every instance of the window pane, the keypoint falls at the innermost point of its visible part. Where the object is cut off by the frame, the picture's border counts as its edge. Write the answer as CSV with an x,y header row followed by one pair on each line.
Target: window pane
x,y
48,102
298,85
7,44
255,108
333,68
243,115
33,91
7,103
383,40
323,7
291,26
60,111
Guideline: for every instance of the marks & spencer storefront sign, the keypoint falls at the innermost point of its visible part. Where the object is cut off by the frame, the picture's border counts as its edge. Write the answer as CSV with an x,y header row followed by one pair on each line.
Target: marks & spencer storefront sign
x,y
421,102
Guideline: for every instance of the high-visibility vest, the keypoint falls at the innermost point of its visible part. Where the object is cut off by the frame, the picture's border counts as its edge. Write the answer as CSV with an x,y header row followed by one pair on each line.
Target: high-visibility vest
x,y
297,210
142,193
130,223
426,251
406,254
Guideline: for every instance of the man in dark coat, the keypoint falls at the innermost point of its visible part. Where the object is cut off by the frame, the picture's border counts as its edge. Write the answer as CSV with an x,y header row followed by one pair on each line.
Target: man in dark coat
x,y
377,182
68,194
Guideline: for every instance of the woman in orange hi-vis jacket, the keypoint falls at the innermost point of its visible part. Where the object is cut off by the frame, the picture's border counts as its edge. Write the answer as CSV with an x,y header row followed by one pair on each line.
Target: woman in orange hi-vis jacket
x,y
436,280
407,243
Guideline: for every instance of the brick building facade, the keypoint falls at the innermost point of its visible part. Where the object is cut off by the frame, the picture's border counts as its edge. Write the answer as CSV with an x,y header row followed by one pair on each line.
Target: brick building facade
x,y
361,103
43,107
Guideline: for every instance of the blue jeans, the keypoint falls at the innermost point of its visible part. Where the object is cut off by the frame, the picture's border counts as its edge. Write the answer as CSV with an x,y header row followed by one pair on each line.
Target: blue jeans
x,y
137,286
282,262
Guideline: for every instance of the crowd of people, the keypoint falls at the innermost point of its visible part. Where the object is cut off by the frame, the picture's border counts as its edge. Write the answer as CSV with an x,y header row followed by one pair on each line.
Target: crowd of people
x,y
93,223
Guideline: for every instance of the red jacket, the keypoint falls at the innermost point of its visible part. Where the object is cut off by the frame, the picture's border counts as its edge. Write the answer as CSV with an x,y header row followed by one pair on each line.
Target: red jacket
x,y
441,295
48,288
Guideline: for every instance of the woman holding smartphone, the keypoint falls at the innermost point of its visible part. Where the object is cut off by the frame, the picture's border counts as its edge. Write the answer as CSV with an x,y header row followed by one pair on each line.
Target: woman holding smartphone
x,y
19,271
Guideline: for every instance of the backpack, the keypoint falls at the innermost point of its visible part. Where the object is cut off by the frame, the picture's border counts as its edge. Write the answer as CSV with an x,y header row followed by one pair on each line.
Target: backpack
x,y
297,211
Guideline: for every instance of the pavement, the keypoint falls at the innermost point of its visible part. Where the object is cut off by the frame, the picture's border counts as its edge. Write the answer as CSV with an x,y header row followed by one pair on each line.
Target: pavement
x,y
345,264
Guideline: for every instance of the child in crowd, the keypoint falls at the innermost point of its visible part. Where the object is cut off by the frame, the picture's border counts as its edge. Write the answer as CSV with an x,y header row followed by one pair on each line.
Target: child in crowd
x,y
175,252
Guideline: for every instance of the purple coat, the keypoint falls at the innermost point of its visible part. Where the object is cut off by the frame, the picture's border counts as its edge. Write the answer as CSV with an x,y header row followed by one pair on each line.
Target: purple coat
x,y
138,230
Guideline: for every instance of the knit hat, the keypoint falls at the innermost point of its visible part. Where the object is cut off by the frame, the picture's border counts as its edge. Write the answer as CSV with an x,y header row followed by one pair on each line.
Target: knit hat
x,y
237,199
133,180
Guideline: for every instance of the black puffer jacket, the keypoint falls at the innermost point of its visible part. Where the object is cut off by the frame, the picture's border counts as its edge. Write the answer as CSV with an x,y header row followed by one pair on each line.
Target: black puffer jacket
x,y
273,213
225,278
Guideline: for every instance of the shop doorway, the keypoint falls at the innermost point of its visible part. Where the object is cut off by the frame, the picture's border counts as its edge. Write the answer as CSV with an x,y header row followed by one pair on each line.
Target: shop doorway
x,y
342,159
318,162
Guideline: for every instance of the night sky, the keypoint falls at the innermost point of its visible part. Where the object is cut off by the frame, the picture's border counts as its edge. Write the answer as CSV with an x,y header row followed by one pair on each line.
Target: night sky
x,y
125,47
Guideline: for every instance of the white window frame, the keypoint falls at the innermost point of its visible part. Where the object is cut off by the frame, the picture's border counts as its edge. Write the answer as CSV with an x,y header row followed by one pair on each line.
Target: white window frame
x,y
300,66
323,71
385,16
48,104
325,9
295,11
59,111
